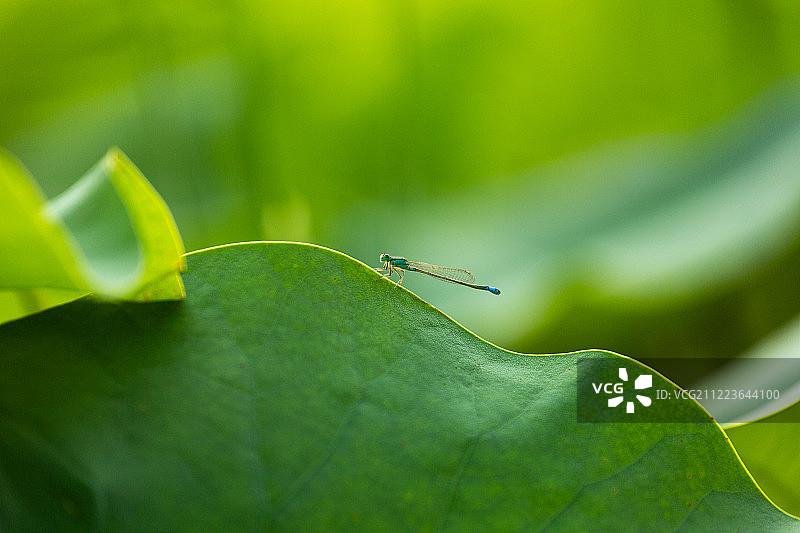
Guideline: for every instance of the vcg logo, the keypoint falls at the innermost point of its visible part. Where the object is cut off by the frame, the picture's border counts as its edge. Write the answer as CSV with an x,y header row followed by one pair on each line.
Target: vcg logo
x,y
644,381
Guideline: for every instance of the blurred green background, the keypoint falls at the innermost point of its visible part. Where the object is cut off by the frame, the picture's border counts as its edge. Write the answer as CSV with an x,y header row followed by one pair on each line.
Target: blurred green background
x,y
627,173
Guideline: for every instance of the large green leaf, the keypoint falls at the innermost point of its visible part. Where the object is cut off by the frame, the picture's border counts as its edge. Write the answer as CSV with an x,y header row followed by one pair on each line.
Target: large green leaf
x,y
110,234
295,388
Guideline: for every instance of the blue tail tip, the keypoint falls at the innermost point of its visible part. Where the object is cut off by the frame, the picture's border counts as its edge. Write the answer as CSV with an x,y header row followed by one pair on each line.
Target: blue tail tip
x,y
494,290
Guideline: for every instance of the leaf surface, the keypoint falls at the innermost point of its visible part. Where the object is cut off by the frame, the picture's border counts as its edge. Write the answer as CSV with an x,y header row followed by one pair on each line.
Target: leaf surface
x,y
295,388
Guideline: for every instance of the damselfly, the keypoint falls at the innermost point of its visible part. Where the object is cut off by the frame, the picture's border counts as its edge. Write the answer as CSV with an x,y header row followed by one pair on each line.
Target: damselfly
x,y
400,265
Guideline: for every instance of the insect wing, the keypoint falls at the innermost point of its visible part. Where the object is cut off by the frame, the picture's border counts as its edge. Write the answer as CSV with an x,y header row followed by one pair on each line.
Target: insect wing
x,y
449,272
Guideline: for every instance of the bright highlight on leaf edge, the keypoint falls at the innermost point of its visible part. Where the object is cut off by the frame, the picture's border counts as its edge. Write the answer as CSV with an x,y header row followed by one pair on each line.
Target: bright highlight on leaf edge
x,y
400,265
